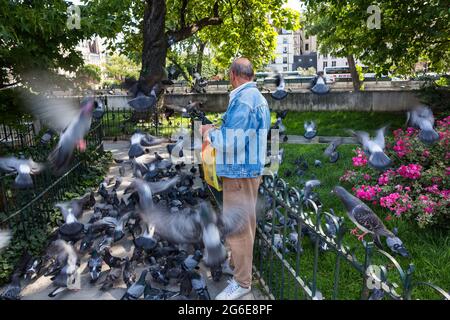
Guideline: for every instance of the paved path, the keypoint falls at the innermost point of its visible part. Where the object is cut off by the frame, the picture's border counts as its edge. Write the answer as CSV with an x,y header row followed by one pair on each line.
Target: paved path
x,y
40,288
294,139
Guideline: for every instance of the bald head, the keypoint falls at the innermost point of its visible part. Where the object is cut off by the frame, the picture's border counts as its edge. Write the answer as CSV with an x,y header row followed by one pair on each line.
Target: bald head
x,y
241,71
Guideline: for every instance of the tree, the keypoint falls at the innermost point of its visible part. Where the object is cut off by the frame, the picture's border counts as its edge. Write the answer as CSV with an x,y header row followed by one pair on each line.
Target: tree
x,y
35,35
152,28
88,75
119,67
408,31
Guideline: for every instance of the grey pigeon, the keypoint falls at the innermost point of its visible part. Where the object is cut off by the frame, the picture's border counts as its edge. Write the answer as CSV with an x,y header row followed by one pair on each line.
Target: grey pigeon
x,y
362,216
396,245
422,118
331,151
318,163
192,261
374,148
95,263
33,269
24,169
280,93
143,102
199,285
5,238
308,189
139,140
99,109
67,277
111,279
12,291
129,273
377,294
310,129
72,122
136,290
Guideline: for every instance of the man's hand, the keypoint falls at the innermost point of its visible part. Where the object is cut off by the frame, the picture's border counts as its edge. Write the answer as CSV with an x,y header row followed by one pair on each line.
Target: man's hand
x,y
205,129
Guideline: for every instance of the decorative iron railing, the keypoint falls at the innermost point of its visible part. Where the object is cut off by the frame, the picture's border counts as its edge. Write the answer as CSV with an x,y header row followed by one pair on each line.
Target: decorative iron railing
x,y
286,270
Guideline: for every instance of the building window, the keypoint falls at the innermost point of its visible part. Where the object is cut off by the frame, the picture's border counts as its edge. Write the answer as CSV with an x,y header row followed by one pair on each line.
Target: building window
x,y
333,63
285,69
284,49
285,40
325,64
310,60
306,46
285,60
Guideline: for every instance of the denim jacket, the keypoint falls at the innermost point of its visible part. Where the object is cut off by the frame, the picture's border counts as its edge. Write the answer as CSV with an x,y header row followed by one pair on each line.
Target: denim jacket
x,y
241,141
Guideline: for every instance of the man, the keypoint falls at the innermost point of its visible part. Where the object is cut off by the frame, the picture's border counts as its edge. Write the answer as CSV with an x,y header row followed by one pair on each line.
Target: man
x,y
240,165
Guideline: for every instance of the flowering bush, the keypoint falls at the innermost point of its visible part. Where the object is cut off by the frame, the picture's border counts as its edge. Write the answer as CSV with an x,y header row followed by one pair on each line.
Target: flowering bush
x,y
417,184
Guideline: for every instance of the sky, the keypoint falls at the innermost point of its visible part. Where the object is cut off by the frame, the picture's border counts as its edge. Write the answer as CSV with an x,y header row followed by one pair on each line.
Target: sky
x,y
294,4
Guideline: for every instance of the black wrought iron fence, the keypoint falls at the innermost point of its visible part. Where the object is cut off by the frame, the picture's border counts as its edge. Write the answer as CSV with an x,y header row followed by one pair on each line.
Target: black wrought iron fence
x,y
25,209
120,123
17,137
289,269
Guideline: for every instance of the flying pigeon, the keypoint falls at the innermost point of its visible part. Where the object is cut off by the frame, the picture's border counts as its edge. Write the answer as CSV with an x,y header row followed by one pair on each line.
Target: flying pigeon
x,y
5,238
136,290
24,168
331,151
280,93
140,140
374,148
72,122
310,129
143,102
362,216
422,118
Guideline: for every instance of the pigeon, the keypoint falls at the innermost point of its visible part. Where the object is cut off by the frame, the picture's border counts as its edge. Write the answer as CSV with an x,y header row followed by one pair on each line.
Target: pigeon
x,y
377,294
362,216
47,137
176,149
24,169
33,269
143,102
136,290
159,294
12,291
99,110
118,229
331,151
71,210
308,189
374,148
396,245
72,122
317,163
67,277
199,285
281,114
112,261
112,277
192,261
5,238
310,129
95,265
422,118
280,92
129,273
140,140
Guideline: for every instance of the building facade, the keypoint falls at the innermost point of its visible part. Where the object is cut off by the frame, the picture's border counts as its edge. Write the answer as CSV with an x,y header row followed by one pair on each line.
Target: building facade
x,y
284,53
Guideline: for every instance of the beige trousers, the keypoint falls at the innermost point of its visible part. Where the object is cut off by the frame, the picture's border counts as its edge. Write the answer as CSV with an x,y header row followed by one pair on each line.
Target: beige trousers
x,y
242,193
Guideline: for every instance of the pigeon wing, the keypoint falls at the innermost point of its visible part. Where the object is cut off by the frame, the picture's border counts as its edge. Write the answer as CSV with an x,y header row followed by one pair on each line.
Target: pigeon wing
x,y
366,218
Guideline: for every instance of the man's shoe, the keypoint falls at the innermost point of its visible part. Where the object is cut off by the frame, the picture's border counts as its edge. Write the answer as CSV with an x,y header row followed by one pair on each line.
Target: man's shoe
x,y
233,291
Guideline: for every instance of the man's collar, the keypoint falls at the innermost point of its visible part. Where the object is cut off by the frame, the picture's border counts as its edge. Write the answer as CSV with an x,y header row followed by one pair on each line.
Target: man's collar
x,y
242,86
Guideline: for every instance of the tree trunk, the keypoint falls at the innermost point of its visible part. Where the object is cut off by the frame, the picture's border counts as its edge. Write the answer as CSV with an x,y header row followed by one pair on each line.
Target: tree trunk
x,y
200,52
354,73
154,50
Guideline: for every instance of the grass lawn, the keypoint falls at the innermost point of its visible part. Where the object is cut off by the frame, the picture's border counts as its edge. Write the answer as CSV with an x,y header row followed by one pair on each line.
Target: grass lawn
x,y
337,122
429,249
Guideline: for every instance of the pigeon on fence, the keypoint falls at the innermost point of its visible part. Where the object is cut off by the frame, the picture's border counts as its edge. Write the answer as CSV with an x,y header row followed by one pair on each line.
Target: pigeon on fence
x,y
422,118
24,169
362,216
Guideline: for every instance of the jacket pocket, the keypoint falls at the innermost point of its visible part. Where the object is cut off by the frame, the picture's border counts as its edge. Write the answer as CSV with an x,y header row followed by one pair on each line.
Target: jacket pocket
x,y
231,185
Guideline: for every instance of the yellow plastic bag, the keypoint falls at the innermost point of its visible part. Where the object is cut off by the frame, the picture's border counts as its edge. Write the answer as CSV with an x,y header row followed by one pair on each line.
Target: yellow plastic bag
x,y
209,166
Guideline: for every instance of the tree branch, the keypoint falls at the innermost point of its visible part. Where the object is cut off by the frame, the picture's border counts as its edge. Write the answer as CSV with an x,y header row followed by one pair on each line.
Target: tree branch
x,y
188,30
184,4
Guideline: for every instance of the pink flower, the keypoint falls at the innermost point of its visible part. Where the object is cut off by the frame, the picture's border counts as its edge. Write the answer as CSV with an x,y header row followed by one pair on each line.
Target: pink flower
x,y
384,177
367,177
426,153
411,171
434,189
360,160
367,192
396,203
410,131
